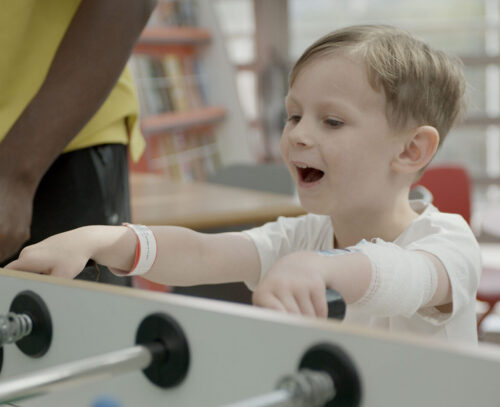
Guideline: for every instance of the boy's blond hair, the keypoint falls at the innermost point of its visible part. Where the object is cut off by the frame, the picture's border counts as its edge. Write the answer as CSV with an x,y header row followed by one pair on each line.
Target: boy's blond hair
x,y
422,86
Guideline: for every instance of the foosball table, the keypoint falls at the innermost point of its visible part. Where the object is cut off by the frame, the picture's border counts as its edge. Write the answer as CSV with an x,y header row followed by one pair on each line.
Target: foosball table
x,y
83,344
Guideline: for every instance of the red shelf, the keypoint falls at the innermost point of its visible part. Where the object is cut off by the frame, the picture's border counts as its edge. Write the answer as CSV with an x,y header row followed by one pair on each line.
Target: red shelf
x,y
171,121
161,40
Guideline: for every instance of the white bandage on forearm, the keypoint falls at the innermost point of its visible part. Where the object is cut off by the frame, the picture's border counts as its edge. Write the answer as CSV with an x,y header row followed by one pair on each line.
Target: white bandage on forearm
x,y
145,252
402,280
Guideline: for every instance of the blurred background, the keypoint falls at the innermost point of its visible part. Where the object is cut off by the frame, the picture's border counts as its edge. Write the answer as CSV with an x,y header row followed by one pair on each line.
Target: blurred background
x,y
264,37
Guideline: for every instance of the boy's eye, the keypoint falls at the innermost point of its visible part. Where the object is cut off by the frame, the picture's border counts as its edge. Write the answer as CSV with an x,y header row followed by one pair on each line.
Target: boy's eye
x,y
294,118
335,123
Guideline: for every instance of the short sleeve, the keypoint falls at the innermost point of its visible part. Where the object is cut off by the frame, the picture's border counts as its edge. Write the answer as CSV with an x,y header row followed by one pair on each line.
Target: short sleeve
x,y
449,238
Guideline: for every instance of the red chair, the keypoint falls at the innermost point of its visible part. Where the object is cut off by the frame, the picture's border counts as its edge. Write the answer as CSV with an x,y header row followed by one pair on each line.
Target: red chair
x,y
451,190
450,187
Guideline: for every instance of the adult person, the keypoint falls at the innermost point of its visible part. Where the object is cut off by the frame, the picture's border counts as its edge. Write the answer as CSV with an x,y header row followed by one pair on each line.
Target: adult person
x,y
68,111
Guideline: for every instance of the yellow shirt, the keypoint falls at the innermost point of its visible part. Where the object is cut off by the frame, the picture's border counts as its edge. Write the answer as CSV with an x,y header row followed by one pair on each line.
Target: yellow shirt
x,y
30,33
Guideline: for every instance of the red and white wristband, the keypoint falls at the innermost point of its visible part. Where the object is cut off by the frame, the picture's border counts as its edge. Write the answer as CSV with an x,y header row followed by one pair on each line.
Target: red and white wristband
x,y
145,251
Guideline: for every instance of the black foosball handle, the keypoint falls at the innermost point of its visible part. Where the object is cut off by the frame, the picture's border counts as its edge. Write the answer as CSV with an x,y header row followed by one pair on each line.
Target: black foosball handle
x,y
336,304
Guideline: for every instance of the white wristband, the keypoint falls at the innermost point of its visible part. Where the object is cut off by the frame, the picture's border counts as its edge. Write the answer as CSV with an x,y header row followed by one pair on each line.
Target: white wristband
x,y
145,252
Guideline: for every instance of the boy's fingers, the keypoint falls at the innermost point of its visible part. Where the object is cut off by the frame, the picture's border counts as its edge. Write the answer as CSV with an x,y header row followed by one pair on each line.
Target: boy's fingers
x,y
289,303
318,301
26,265
62,271
303,299
10,265
269,302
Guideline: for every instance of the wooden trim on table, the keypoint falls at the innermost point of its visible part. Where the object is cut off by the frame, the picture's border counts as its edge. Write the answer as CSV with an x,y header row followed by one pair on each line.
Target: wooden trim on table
x,y
156,200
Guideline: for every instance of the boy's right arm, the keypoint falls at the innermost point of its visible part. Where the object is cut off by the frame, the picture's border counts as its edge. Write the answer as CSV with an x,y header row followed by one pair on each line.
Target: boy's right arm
x,y
184,257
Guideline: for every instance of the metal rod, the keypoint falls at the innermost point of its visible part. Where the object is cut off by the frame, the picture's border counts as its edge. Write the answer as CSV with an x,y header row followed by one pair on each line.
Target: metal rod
x,y
14,327
277,398
93,368
305,388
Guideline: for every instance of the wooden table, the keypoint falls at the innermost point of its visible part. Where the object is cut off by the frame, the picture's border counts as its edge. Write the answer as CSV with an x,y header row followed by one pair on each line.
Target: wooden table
x,y
198,205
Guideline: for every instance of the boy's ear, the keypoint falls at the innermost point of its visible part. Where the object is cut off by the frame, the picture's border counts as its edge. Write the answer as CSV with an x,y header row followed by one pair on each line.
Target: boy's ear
x,y
417,151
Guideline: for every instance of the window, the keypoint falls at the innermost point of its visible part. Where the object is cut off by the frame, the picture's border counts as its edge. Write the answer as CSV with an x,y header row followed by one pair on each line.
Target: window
x,y
237,22
468,29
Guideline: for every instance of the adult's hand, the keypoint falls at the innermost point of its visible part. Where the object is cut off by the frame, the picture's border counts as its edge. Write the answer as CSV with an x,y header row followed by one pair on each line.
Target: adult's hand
x,y
15,216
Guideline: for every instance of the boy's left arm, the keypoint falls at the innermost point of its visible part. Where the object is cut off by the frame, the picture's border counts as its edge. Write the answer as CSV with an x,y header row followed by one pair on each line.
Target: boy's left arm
x,y
298,281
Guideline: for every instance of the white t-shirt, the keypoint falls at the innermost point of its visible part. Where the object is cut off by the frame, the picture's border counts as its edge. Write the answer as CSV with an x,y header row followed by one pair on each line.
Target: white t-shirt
x,y
447,236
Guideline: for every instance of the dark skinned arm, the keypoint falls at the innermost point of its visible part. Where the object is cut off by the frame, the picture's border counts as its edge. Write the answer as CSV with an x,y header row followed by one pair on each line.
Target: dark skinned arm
x,y
86,66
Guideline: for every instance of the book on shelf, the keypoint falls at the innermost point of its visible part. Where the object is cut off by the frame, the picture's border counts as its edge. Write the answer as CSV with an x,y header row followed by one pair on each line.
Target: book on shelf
x,y
184,156
193,81
176,83
171,83
150,84
187,12
174,13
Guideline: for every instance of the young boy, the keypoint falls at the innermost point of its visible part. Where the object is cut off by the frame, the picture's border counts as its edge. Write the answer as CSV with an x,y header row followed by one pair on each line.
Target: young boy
x,y
367,108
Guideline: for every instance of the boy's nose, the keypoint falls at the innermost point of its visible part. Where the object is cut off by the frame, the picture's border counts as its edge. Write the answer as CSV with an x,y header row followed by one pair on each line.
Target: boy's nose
x,y
301,136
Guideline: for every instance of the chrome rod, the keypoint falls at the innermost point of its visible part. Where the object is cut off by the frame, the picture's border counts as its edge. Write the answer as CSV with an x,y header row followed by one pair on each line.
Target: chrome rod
x,y
306,388
14,327
277,398
75,373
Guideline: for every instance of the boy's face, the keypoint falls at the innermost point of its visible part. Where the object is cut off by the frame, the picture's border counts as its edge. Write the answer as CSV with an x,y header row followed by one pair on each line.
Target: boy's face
x,y
337,142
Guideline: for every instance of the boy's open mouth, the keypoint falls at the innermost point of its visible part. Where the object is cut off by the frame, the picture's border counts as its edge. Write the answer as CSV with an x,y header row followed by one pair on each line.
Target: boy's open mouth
x,y
309,174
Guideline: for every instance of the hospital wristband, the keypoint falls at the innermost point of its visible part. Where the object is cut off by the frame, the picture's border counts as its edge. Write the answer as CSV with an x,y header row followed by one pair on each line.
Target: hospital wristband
x,y
145,251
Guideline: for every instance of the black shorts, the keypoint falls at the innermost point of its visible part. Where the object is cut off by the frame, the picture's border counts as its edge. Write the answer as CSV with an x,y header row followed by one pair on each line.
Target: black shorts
x,y
83,187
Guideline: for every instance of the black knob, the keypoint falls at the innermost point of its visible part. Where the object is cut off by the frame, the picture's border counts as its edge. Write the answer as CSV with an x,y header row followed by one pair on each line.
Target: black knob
x,y
336,304
331,359
164,337
37,343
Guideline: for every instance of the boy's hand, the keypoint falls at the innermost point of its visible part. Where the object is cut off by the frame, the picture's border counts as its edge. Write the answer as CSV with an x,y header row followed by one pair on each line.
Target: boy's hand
x,y
61,255
295,284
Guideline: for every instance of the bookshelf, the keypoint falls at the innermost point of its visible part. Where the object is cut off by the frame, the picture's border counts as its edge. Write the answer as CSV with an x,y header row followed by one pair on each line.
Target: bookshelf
x,y
190,113
161,40
196,117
